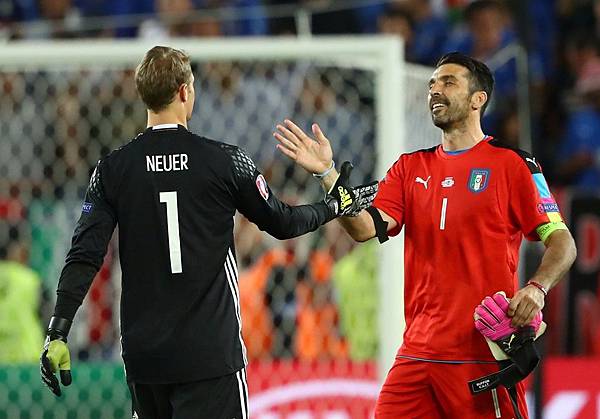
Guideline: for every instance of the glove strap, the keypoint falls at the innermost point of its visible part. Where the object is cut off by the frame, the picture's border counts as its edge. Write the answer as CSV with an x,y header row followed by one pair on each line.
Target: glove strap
x,y
521,364
58,328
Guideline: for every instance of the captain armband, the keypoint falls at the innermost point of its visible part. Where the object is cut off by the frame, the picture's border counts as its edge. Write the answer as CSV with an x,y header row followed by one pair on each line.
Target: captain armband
x,y
380,225
545,230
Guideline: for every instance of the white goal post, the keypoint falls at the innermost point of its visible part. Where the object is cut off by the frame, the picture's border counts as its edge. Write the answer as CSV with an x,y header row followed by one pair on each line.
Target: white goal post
x,y
395,99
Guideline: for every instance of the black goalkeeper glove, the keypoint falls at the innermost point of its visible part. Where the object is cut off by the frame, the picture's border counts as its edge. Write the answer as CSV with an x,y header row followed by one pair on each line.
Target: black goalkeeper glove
x,y
55,355
347,201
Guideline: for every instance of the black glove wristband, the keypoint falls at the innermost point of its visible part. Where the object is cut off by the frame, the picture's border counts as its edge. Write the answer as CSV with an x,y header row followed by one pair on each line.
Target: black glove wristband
x,y
58,328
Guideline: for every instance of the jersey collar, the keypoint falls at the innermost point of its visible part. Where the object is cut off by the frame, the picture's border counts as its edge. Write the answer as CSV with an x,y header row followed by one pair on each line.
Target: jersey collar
x,y
164,127
441,153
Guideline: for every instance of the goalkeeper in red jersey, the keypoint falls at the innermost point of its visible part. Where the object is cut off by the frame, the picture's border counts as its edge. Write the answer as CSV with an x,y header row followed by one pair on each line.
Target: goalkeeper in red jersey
x,y
465,206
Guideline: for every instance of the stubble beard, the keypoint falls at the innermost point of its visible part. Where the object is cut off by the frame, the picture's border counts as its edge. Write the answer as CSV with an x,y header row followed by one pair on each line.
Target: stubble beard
x,y
451,117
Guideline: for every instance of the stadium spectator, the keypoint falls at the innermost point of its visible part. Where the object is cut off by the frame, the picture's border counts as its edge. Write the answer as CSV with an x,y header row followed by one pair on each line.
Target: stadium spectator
x,y
444,197
355,280
288,305
430,30
509,129
488,29
398,21
20,289
172,20
180,319
59,19
317,334
579,154
20,286
250,18
325,18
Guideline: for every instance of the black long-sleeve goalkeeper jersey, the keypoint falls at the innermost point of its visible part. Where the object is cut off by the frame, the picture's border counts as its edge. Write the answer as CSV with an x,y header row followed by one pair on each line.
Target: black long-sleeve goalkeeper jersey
x,y
173,195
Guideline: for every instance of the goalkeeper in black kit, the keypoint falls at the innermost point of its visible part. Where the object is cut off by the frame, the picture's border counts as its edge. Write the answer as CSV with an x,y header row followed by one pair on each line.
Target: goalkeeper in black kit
x,y
174,195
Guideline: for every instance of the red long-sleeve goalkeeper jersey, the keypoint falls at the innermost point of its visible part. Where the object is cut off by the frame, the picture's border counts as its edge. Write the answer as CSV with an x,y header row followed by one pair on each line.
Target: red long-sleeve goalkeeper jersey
x,y
464,216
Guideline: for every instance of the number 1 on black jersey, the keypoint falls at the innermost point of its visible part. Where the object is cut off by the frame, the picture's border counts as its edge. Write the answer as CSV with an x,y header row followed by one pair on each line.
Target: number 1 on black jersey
x,y
170,198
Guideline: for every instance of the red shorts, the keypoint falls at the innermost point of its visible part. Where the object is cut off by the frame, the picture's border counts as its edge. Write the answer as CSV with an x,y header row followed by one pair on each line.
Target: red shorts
x,y
429,390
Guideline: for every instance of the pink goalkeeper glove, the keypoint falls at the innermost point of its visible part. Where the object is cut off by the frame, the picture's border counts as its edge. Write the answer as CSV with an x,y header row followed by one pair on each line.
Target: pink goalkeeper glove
x,y
492,320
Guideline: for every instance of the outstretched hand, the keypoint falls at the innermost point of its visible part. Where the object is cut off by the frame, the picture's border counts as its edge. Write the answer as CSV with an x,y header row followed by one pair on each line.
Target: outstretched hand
x,y
314,155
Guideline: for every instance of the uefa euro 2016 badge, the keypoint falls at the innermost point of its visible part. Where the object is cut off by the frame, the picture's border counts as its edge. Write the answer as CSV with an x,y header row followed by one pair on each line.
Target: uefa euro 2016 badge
x,y
478,180
261,185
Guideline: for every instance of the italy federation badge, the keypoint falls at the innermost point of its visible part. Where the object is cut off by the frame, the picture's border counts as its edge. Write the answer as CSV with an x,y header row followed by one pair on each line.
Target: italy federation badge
x,y
478,180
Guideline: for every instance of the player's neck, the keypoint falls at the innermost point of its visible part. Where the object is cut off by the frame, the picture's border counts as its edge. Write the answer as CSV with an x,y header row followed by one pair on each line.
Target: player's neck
x,y
165,117
462,137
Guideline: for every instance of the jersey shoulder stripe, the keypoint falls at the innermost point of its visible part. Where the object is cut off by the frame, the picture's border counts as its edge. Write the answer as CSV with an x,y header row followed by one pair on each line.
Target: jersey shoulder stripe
x,y
526,157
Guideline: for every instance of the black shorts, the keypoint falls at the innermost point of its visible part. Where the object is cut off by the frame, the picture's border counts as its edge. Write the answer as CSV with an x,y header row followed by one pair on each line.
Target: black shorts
x,y
218,398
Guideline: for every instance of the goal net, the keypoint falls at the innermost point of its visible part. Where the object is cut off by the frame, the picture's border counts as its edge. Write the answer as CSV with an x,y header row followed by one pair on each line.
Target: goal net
x,y
322,316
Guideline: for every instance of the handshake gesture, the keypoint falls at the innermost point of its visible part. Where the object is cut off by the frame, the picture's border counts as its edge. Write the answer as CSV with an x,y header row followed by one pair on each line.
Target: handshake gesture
x,y
347,201
316,156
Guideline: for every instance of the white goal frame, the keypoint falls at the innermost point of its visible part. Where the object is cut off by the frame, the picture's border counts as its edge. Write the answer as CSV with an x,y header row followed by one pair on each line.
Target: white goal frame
x,y
380,54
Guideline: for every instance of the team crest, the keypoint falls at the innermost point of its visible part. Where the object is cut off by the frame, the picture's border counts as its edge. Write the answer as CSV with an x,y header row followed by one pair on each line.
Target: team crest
x,y
261,185
478,180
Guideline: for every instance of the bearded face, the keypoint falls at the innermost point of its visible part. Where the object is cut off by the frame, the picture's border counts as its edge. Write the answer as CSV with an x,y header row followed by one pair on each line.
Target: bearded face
x,y
449,96
448,111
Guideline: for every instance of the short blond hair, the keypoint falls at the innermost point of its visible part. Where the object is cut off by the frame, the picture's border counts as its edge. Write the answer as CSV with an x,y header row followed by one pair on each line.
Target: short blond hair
x,y
159,75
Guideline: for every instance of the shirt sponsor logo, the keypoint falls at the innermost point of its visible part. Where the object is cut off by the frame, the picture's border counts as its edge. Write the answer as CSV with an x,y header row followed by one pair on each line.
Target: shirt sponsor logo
x,y
478,180
532,161
87,207
448,182
419,179
261,185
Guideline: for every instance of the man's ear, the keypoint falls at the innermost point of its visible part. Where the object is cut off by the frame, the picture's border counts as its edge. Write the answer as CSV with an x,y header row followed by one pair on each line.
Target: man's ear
x,y
478,99
183,92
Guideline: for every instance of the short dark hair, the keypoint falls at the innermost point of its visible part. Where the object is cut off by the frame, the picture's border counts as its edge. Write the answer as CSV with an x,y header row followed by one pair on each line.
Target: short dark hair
x,y
160,74
480,76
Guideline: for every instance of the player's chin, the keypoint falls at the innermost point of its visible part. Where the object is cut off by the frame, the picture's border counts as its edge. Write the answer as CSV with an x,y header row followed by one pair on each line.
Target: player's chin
x,y
440,121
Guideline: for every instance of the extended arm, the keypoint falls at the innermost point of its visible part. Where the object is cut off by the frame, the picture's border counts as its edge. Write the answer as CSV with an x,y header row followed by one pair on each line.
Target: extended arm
x,y
315,156
558,257
257,202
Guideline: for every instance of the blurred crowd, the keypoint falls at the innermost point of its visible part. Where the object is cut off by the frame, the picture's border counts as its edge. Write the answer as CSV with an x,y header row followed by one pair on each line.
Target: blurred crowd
x,y
560,37
314,297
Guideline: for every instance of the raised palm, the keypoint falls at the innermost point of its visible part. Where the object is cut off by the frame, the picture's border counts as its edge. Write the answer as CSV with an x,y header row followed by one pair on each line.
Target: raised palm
x,y
314,155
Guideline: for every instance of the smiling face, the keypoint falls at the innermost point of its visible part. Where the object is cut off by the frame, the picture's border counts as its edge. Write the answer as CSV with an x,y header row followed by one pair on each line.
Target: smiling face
x,y
449,95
